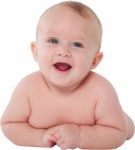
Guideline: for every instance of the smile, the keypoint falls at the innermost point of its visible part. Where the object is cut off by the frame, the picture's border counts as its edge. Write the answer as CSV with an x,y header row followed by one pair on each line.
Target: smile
x,y
60,66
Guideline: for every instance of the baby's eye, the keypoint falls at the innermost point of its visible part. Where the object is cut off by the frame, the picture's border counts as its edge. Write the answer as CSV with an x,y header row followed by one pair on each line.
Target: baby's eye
x,y
77,44
53,41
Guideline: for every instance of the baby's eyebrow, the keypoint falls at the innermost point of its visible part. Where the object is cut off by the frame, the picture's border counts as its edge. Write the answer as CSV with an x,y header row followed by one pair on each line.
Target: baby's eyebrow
x,y
81,38
50,33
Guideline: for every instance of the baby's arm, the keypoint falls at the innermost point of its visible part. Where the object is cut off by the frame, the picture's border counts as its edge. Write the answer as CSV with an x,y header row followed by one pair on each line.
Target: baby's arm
x,y
14,122
109,132
110,129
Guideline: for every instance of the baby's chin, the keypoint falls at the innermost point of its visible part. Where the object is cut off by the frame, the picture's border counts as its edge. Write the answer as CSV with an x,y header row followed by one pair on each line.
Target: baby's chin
x,y
62,82
64,79
66,84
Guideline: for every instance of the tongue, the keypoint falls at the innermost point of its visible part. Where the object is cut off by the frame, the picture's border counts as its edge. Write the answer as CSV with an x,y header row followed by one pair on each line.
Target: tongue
x,y
62,66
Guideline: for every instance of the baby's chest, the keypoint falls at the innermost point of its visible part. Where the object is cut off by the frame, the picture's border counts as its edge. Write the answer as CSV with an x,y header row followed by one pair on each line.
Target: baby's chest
x,y
50,112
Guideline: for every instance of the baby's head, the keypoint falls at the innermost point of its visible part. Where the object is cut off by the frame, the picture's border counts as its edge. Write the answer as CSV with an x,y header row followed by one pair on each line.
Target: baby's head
x,y
68,39
82,10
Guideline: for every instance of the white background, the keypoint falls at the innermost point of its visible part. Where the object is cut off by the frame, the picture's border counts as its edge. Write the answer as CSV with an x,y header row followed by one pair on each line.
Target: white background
x,y
18,20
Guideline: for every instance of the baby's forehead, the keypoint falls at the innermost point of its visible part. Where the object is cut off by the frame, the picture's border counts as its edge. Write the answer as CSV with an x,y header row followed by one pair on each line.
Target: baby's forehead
x,y
53,11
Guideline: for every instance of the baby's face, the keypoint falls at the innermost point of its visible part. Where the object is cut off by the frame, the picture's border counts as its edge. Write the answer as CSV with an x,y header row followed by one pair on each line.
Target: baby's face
x,y
66,46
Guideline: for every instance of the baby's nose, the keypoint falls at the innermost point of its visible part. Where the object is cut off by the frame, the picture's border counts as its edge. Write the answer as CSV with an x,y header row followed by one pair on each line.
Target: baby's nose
x,y
63,52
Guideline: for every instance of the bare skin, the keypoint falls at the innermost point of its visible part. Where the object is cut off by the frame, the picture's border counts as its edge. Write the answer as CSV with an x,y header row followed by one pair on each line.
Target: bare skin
x,y
65,103
43,118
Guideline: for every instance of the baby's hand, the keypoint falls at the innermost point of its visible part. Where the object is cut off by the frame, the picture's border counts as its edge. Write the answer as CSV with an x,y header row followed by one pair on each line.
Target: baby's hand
x,y
67,136
48,139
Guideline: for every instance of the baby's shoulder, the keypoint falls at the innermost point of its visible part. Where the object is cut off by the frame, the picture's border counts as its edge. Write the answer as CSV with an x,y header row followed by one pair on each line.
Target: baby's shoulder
x,y
35,76
100,83
31,80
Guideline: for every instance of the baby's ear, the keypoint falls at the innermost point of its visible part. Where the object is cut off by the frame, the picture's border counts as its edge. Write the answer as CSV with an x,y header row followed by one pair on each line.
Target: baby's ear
x,y
34,49
97,59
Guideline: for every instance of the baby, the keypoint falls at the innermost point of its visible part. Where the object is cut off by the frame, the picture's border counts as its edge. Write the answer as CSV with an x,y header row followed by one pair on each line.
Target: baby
x,y
66,103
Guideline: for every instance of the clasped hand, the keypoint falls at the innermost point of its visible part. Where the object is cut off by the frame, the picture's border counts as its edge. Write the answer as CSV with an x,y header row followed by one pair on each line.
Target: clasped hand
x,y
65,136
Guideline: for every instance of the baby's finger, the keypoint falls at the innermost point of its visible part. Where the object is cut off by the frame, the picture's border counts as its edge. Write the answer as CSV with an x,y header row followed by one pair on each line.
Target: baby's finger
x,y
51,138
51,143
57,136
61,144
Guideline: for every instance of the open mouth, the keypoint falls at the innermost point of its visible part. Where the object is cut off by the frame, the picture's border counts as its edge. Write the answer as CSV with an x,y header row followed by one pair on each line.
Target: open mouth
x,y
62,66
